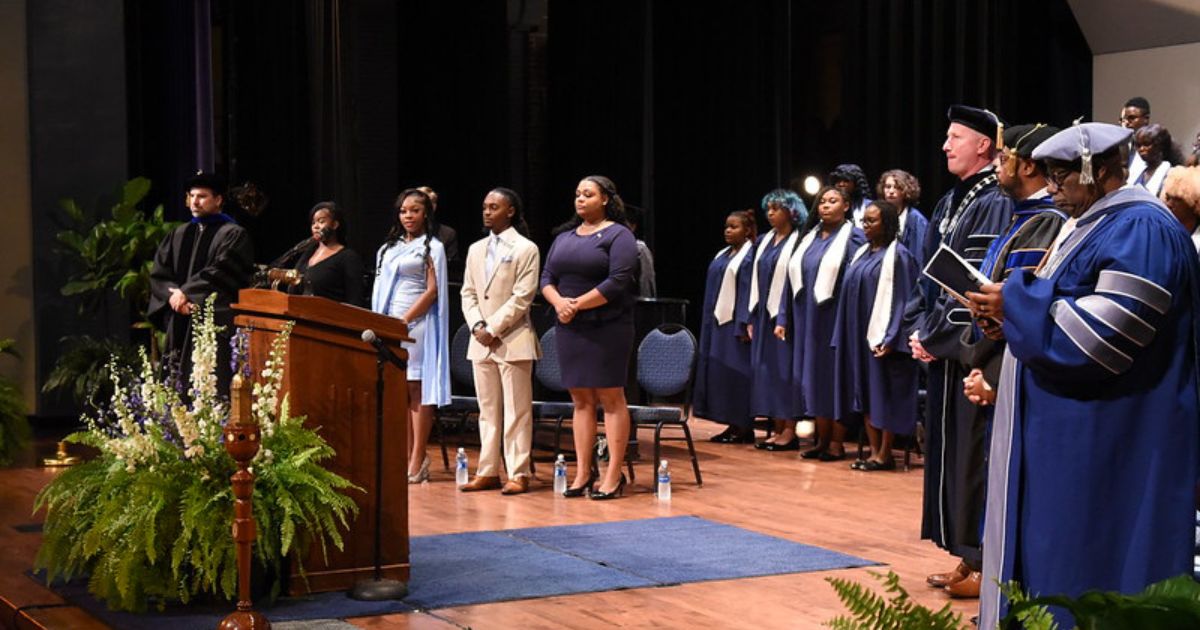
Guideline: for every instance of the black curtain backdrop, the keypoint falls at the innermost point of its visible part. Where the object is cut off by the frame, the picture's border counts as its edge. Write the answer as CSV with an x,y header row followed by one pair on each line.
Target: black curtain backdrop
x,y
693,112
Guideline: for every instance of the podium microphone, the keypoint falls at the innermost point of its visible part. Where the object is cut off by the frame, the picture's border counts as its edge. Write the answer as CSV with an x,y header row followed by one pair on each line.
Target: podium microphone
x,y
381,348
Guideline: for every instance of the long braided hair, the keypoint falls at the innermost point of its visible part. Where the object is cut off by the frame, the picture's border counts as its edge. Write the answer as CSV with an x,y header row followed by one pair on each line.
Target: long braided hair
x,y
397,232
514,200
614,208
854,174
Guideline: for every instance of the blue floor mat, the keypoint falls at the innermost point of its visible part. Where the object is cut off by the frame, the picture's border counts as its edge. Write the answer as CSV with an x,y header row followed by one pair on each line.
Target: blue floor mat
x,y
683,549
482,567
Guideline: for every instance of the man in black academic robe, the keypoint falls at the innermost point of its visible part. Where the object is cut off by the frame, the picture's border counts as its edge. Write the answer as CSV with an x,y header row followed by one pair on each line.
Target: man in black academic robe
x,y
966,219
209,255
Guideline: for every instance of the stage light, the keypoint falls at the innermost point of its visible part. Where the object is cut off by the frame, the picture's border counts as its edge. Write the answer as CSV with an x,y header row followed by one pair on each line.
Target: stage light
x,y
812,184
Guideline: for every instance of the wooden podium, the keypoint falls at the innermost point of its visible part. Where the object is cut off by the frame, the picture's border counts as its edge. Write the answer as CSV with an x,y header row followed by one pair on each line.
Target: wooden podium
x,y
330,378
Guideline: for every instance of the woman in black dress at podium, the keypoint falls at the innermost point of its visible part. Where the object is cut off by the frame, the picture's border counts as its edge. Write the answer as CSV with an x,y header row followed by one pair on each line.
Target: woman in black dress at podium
x,y
331,270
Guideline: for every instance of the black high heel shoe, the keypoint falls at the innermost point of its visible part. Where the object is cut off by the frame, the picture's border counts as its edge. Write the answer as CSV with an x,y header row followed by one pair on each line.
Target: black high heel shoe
x,y
572,493
604,496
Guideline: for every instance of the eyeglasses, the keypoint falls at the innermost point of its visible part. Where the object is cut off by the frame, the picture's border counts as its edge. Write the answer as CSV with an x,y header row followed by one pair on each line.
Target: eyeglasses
x,y
1058,177
1131,118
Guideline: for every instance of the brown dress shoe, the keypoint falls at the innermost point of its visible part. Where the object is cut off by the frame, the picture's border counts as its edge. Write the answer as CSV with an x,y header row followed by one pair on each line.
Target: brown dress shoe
x,y
516,485
941,580
966,588
480,483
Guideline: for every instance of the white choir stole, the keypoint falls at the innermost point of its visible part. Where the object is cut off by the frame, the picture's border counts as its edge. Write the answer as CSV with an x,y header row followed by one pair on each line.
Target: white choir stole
x,y
727,295
778,274
831,263
881,309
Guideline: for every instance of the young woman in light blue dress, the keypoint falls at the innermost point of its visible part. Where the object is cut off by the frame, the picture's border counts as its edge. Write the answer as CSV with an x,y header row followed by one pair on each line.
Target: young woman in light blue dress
x,y
410,285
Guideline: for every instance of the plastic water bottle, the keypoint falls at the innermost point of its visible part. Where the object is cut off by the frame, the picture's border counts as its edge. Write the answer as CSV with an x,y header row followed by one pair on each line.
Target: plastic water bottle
x,y
664,481
461,474
560,475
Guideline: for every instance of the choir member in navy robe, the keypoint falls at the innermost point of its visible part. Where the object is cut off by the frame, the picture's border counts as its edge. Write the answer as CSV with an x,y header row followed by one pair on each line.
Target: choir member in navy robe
x,y
1095,442
966,219
722,387
772,385
875,378
1181,194
901,189
210,255
808,312
850,179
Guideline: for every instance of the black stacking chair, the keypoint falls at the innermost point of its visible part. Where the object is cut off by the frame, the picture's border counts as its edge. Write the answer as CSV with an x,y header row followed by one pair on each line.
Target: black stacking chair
x,y
666,362
549,375
460,407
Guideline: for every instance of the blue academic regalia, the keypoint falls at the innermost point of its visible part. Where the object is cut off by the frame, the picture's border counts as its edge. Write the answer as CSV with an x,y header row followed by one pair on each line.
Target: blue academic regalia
x,y
967,218
884,388
811,324
722,388
912,237
771,359
1095,439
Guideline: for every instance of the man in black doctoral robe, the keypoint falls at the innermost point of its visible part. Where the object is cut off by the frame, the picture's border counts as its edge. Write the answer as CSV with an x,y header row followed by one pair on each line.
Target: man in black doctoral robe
x,y
966,219
209,255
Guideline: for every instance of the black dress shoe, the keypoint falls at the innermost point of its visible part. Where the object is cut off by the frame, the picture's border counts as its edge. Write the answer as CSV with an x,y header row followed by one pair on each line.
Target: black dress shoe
x,y
746,436
793,445
830,457
813,453
724,437
597,495
763,445
573,493
858,464
872,465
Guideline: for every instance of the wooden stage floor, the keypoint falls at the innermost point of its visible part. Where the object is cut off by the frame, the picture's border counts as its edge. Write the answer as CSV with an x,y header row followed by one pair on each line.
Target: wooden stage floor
x,y
871,515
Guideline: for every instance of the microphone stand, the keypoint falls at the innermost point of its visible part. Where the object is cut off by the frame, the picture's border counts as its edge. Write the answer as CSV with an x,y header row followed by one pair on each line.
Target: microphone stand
x,y
379,588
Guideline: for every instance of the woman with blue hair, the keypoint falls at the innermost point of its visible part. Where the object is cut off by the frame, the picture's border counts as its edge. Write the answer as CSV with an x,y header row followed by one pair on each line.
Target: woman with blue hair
x,y
772,385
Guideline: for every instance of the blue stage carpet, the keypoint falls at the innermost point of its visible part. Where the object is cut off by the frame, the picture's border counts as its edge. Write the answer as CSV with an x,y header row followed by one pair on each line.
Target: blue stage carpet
x,y
481,567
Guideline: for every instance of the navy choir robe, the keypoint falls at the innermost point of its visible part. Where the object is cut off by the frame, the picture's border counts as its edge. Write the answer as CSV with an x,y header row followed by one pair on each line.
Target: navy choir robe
x,y
770,358
884,388
722,388
912,235
811,324
1095,441
967,218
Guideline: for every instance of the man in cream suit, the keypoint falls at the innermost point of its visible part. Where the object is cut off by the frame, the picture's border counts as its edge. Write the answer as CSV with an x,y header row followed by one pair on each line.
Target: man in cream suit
x,y
500,281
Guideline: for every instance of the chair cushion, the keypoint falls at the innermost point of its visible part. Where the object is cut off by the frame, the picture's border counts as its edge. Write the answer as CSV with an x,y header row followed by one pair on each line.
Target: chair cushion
x,y
664,362
653,415
552,409
461,404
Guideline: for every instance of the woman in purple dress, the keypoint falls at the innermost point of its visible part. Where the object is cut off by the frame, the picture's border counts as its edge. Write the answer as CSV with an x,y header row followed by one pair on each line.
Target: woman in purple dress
x,y
875,376
809,309
588,279
771,357
722,389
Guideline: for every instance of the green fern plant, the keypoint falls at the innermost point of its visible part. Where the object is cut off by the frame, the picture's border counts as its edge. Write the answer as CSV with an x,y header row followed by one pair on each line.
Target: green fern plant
x,y
1170,604
14,422
147,521
869,610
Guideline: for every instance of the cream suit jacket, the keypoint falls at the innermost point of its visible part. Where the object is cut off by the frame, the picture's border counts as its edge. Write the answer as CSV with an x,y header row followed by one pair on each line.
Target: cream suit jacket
x,y
503,299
